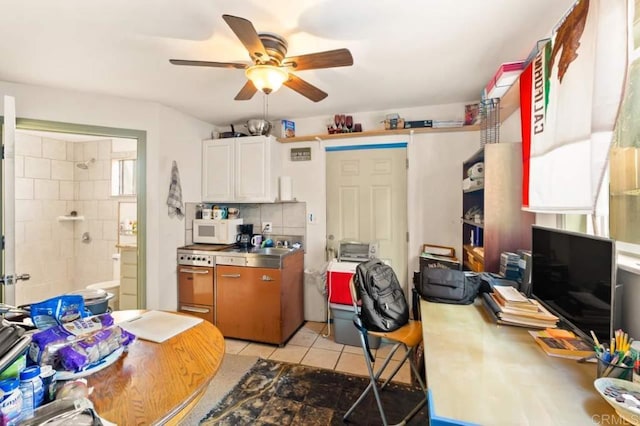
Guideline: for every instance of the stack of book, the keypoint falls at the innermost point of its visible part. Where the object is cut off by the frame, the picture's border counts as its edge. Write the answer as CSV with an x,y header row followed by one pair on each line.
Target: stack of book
x,y
508,306
509,265
562,343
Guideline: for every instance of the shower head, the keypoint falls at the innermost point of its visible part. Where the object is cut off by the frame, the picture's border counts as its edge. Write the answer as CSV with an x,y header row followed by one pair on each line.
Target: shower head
x,y
85,164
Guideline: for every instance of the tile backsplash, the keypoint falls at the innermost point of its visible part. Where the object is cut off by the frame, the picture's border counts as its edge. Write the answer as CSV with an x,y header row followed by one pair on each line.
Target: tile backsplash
x,y
287,218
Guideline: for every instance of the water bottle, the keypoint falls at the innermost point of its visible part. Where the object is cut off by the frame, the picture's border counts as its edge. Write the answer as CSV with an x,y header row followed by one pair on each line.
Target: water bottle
x,y
32,390
10,402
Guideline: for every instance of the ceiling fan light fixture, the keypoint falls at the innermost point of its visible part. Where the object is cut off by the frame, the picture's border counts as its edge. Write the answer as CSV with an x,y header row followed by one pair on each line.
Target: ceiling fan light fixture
x,y
267,78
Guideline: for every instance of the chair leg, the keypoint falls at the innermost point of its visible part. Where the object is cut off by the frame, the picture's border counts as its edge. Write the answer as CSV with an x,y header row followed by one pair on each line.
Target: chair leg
x,y
375,375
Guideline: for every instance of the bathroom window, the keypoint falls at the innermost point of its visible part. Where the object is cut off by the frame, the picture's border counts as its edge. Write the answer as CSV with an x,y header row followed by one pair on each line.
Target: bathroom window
x,y
123,177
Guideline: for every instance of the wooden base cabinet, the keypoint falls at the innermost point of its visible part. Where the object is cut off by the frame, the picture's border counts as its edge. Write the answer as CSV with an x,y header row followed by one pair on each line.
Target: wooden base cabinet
x,y
260,304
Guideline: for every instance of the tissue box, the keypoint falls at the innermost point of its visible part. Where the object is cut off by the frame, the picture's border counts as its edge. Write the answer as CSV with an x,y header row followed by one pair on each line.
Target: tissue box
x,y
285,129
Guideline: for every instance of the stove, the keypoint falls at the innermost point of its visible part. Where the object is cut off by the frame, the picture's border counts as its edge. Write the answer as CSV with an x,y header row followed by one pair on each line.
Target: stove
x,y
200,254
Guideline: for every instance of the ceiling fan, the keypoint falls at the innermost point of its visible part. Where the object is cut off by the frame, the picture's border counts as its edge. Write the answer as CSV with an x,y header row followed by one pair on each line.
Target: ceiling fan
x,y
270,68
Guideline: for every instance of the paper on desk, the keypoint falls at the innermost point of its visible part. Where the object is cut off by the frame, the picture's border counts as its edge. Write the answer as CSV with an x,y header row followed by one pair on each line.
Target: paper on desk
x,y
158,326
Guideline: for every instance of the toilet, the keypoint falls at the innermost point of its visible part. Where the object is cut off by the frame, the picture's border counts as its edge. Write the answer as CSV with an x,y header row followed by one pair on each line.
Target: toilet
x,y
112,286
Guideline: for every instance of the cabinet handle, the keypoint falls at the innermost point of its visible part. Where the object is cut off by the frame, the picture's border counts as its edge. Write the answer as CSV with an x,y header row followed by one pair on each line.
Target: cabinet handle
x,y
266,278
195,271
230,275
196,310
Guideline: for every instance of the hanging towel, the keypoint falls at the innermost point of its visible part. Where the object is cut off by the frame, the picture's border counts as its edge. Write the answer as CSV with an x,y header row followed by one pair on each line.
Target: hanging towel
x,y
174,200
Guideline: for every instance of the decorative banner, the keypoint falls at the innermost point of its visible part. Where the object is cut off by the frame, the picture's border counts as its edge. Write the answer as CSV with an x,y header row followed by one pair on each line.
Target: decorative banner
x,y
570,94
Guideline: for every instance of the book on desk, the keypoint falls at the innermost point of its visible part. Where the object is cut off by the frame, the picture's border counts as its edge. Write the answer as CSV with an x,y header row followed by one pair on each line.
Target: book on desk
x,y
509,307
569,346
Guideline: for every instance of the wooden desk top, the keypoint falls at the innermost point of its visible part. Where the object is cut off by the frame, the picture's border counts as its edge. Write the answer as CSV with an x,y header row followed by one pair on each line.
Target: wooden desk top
x,y
158,382
481,372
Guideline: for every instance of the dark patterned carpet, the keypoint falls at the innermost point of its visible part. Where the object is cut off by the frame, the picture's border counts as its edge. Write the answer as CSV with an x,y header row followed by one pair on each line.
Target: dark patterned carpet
x,y
276,393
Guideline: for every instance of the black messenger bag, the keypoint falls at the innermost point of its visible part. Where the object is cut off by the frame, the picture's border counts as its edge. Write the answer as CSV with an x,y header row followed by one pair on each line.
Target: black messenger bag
x,y
448,286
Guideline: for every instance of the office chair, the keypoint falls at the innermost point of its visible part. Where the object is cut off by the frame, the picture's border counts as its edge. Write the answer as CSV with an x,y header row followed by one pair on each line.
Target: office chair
x,y
407,337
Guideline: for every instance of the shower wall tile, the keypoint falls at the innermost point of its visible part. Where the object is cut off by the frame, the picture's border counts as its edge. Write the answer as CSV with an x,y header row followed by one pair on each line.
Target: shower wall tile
x,y
70,152
54,149
104,150
61,170
78,152
107,209
37,168
96,170
101,189
66,190
19,166
86,190
24,189
46,189
79,174
90,150
28,145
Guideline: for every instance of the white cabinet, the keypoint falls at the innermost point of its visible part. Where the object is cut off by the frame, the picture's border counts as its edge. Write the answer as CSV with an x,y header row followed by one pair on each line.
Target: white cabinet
x,y
240,170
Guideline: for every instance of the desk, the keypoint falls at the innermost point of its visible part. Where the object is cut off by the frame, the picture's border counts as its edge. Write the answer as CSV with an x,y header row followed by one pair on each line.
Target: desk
x,y
481,372
158,382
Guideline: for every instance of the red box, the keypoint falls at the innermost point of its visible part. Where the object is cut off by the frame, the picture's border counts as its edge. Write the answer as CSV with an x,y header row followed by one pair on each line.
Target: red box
x,y
338,276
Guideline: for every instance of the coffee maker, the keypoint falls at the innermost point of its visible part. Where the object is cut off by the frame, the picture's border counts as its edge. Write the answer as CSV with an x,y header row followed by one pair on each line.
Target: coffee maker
x,y
245,232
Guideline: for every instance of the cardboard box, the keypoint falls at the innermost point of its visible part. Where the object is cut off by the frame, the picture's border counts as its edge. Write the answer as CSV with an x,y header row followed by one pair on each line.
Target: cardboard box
x,y
284,129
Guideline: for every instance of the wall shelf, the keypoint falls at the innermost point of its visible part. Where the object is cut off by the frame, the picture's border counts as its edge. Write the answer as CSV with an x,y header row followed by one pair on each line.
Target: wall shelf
x,y
70,218
326,136
473,223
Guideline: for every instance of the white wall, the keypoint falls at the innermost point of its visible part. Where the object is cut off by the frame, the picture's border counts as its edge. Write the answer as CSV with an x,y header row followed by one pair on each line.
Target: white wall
x,y
171,135
434,178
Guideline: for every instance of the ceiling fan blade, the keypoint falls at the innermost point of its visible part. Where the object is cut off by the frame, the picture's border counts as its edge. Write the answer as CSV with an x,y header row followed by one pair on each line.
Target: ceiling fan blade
x,y
305,89
247,92
208,64
328,59
248,35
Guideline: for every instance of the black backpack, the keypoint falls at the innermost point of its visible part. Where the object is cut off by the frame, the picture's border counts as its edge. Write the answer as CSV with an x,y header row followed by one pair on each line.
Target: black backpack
x,y
384,307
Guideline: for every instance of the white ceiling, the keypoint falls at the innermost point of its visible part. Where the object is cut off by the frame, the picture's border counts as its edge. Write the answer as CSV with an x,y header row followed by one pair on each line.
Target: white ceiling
x,y
406,53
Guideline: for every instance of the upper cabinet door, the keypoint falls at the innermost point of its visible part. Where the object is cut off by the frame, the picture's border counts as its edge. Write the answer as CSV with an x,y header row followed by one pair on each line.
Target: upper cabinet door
x,y
253,162
218,170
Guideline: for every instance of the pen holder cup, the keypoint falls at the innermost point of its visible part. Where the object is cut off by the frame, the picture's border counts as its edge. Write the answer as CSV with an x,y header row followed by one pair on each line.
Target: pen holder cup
x,y
617,371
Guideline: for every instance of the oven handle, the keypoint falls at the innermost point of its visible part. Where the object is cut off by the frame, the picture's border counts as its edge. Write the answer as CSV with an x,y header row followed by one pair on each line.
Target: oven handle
x,y
230,275
196,310
195,271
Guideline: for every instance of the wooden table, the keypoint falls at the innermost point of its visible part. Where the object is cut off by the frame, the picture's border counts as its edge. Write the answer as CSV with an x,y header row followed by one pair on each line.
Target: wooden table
x,y
481,372
155,383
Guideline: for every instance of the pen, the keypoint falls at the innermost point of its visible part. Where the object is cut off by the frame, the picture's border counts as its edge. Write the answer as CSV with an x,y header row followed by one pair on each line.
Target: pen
x,y
595,340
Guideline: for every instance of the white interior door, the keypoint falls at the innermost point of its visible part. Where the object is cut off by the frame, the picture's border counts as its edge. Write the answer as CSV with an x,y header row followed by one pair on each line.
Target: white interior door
x,y
367,200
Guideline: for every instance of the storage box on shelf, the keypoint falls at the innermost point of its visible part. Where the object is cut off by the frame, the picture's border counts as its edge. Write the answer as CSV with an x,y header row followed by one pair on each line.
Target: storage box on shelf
x,y
241,170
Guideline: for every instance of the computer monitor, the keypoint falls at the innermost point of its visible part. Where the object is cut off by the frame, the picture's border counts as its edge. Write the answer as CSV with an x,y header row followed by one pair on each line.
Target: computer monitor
x,y
574,276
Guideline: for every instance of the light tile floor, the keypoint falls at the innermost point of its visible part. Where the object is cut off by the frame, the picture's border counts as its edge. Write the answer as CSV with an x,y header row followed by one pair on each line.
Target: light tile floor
x,y
312,345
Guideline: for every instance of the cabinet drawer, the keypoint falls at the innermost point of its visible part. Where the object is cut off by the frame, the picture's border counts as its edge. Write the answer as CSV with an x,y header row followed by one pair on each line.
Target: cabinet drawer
x,y
128,270
128,301
201,311
129,256
128,286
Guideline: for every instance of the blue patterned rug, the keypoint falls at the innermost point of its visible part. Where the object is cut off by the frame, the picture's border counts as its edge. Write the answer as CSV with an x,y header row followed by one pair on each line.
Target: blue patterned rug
x,y
276,393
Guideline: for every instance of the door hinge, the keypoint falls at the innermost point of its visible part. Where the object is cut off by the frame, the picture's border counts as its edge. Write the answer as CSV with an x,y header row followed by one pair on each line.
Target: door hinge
x,y
3,242
407,163
407,236
3,152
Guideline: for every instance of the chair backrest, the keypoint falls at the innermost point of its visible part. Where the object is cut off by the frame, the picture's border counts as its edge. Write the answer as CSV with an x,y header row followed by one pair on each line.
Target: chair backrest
x,y
354,294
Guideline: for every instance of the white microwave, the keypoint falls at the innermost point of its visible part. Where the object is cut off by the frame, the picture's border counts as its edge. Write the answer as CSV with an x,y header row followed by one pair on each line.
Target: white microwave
x,y
213,231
